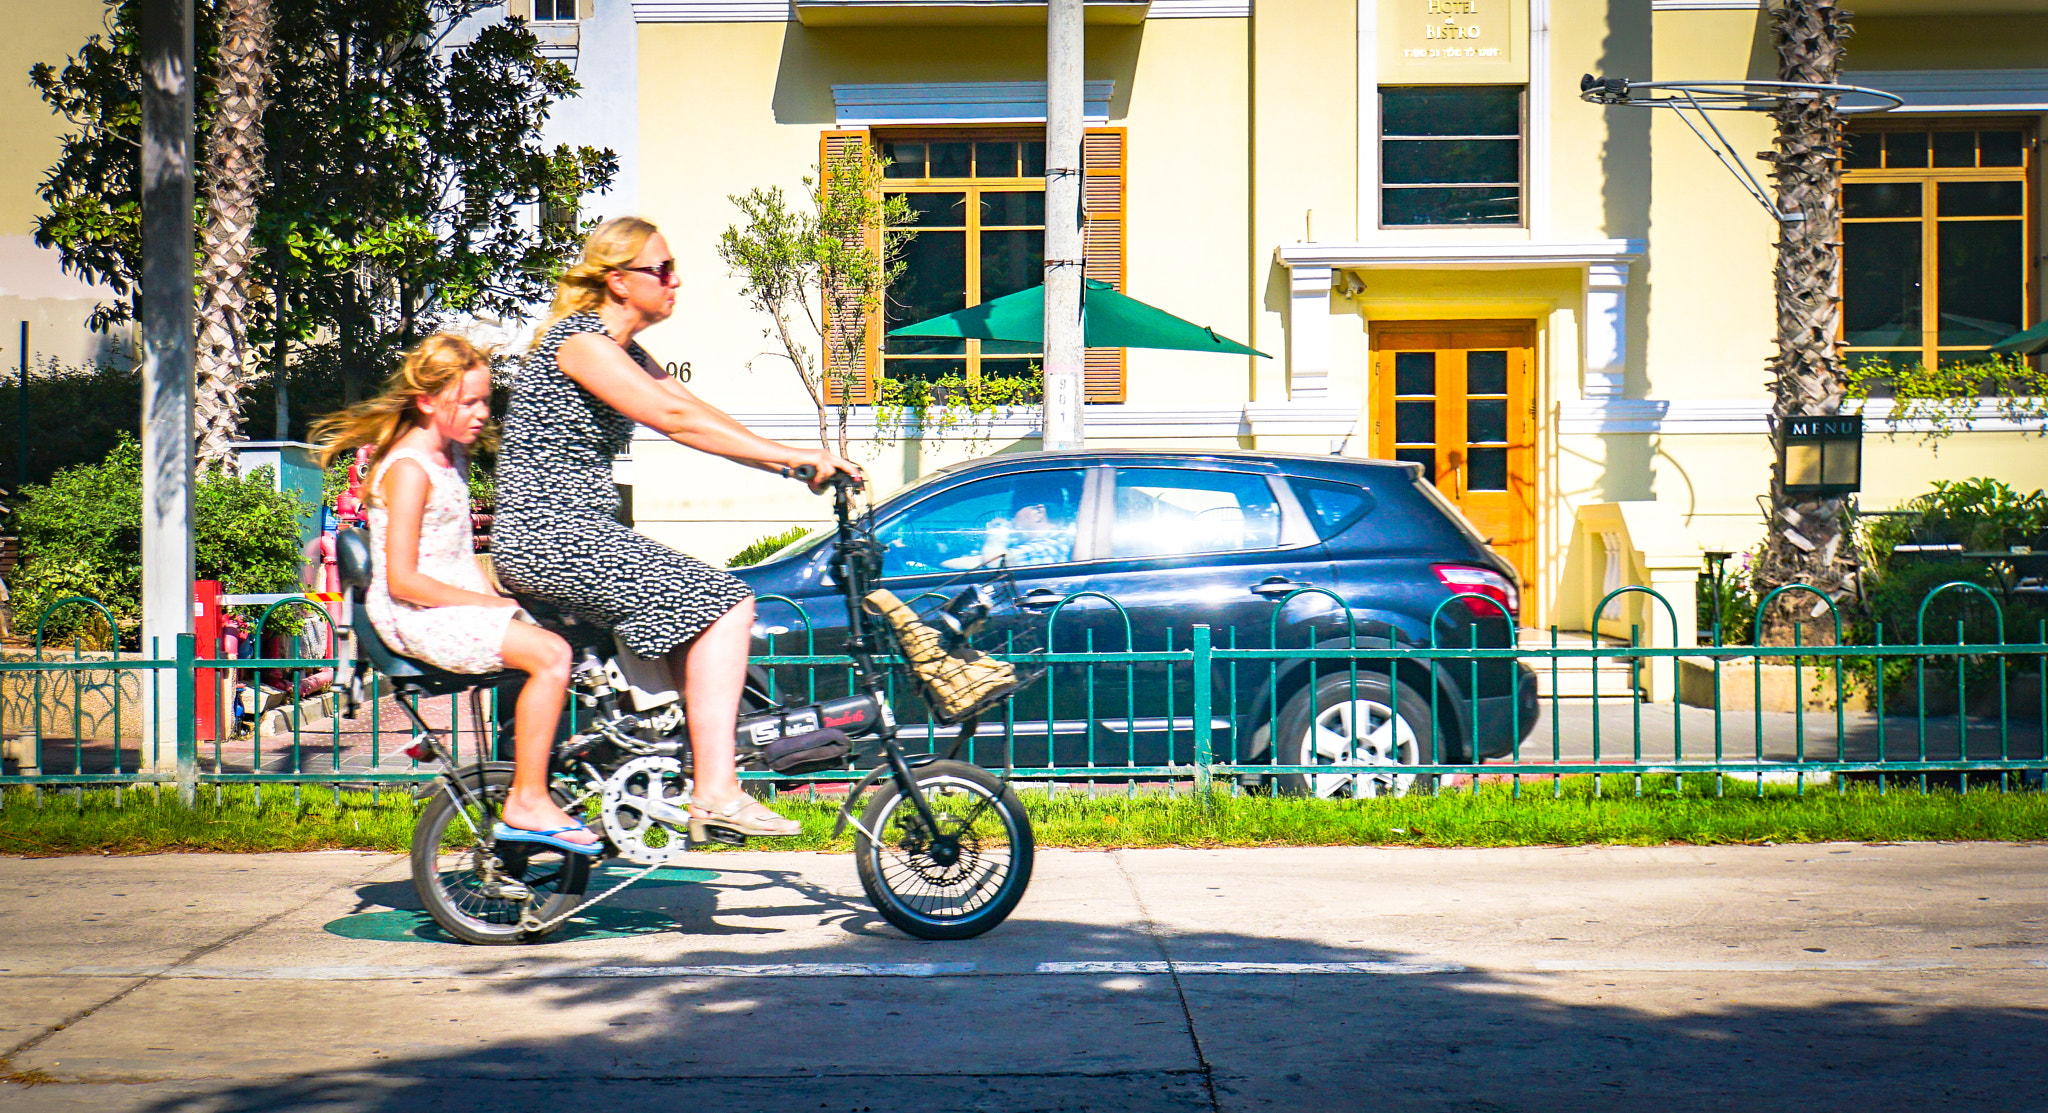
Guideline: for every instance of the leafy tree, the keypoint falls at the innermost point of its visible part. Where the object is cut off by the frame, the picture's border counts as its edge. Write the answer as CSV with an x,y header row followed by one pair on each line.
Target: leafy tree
x,y
94,192
81,534
820,274
404,180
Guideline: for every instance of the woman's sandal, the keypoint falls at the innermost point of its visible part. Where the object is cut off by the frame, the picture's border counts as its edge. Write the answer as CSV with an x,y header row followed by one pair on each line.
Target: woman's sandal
x,y
745,816
505,832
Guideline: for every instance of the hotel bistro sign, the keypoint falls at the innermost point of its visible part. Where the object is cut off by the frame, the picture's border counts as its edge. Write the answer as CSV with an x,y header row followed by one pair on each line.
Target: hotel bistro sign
x,y
1453,41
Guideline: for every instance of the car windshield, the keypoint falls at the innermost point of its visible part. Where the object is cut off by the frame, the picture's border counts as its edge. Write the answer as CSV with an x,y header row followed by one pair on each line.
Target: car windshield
x,y
1016,520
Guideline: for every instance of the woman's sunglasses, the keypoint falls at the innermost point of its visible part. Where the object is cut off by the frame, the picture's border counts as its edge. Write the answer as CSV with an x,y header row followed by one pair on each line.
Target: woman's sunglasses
x,y
662,273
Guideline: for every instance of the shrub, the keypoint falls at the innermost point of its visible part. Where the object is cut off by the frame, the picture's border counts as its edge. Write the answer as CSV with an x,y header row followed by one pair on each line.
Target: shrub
x,y
76,415
1978,514
768,546
82,535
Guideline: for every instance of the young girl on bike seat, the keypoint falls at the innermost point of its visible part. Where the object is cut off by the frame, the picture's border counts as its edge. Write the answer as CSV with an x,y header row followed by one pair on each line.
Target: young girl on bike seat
x,y
429,598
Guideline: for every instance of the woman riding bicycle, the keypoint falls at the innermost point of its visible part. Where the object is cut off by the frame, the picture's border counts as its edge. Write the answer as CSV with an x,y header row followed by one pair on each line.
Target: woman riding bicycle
x,y
584,386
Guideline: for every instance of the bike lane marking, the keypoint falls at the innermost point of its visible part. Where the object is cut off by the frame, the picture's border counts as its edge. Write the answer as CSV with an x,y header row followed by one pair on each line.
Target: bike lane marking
x,y
971,969
1284,968
538,973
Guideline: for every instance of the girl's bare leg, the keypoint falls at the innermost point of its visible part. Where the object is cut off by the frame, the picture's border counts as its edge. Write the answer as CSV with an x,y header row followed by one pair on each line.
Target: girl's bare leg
x,y
711,671
544,658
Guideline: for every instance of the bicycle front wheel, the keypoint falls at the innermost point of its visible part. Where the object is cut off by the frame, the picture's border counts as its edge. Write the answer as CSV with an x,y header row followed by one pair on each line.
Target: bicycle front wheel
x,y
954,879
475,891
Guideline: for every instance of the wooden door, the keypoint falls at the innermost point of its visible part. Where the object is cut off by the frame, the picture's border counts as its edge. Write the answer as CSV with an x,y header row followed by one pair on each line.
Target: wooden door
x,y
1458,398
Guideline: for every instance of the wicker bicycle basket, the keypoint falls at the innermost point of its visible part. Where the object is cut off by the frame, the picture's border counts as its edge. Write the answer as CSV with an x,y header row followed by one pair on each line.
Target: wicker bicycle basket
x,y
965,643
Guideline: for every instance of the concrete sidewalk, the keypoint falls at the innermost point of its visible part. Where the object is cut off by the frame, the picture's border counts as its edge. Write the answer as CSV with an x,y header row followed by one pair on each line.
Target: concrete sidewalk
x,y
1816,977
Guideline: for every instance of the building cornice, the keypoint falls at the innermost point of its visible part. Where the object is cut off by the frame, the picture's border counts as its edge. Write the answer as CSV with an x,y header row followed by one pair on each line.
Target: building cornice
x,y
1680,417
1007,423
1959,90
1520,255
949,102
711,11
781,11
1108,421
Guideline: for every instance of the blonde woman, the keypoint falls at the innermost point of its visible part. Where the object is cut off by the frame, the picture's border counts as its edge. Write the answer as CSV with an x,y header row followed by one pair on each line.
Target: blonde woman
x,y
428,597
583,387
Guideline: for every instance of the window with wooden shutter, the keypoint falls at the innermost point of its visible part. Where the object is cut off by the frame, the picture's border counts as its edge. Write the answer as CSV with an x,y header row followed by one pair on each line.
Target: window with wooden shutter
x,y
1102,201
845,371
977,204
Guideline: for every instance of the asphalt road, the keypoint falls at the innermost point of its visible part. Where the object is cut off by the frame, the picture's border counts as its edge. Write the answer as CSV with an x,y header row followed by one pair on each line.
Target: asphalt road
x,y
1833,976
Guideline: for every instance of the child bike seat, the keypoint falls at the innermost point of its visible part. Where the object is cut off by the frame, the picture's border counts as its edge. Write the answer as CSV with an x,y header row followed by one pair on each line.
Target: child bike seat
x,y
410,675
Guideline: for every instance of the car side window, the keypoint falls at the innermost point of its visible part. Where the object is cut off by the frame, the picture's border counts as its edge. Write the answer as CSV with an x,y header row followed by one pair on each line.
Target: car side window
x,y
1332,506
1013,520
1174,512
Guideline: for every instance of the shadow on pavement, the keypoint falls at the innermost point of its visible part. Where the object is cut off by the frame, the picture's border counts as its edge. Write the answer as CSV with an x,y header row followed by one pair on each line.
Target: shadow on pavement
x,y
1008,1038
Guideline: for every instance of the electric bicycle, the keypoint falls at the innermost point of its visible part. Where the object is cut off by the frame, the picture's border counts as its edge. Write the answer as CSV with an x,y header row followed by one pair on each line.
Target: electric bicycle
x,y
942,846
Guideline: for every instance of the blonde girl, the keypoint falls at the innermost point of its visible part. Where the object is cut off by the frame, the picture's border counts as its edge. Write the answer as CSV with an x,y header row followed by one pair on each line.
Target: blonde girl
x,y
429,597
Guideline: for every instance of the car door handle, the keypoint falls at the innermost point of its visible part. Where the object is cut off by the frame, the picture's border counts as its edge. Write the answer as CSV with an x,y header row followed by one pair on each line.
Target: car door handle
x,y
1276,587
1038,599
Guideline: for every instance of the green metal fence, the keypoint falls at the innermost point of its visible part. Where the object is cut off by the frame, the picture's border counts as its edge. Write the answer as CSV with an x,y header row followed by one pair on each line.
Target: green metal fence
x,y
1363,709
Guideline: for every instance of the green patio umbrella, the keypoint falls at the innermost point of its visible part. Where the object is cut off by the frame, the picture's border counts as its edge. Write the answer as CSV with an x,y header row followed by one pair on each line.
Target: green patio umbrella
x,y
1109,320
2025,343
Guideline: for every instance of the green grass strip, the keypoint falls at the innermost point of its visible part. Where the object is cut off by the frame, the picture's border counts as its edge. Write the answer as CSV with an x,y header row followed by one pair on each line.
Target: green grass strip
x,y
242,818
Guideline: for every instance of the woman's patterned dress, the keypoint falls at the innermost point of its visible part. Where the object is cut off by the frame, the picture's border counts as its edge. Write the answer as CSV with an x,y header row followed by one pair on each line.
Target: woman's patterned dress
x,y
556,536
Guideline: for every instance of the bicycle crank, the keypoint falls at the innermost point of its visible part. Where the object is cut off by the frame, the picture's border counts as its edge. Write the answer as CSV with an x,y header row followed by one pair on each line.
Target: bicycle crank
x,y
644,809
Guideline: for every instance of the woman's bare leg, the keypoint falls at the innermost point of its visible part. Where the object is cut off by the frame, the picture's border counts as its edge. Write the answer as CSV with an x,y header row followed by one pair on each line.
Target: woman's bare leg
x,y
711,671
544,658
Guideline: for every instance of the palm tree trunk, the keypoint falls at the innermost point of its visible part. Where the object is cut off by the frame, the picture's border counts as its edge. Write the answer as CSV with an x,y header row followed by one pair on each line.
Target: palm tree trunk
x,y
1809,538
233,181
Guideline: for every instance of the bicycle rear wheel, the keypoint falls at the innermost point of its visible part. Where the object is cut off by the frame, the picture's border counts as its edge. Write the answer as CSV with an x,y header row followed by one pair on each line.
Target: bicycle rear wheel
x,y
958,880
460,878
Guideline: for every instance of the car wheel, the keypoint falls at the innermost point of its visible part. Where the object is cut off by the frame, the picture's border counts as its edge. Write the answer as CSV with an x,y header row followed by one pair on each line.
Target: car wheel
x,y
1360,726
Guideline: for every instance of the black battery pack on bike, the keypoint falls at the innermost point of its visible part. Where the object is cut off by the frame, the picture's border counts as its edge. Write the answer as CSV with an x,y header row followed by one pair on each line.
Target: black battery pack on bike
x,y
810,737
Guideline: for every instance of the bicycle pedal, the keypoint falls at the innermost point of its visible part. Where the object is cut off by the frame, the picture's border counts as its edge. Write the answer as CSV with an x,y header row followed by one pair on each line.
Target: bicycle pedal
x,y
724,835
508,890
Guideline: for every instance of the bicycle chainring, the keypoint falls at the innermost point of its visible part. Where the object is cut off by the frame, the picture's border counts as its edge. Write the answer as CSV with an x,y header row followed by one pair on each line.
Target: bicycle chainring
x,y
640,838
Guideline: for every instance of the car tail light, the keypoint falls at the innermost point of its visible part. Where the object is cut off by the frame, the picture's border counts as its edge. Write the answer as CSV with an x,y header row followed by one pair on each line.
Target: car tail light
x,y
1464,579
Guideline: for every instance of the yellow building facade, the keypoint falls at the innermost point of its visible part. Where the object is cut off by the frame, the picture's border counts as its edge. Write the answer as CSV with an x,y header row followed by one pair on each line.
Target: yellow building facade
x,y
1450,256
33,286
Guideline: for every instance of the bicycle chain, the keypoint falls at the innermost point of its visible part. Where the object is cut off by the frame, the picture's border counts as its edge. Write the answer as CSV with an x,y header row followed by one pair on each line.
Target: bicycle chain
x,y
531,926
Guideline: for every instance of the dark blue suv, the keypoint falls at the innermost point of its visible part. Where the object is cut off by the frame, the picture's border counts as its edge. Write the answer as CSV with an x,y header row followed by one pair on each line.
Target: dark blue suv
x,y
1131,549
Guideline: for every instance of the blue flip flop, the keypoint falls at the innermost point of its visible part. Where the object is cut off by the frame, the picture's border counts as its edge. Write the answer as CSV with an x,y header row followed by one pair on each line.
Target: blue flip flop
x,y
505,833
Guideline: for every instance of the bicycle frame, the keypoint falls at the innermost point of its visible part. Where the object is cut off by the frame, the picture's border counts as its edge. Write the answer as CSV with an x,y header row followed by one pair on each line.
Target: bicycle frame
x,y
856,559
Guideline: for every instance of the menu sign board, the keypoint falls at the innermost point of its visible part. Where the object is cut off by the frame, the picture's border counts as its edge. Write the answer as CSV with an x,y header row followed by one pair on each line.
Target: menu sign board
x,y
1453,42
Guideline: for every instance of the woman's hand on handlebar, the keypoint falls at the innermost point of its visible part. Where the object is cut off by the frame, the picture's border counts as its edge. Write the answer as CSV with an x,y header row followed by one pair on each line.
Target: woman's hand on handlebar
x,y
820,469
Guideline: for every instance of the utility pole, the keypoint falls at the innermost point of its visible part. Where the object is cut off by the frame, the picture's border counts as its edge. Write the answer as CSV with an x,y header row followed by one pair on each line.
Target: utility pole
x,y
167,349
1064,346
21,420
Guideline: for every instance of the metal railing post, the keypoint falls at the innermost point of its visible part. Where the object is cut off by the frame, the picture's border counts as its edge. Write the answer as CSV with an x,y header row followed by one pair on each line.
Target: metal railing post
x,y
1204,743
187,685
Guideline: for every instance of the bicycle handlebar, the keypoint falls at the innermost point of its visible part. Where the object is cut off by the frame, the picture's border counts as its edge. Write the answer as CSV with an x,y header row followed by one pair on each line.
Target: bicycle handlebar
x,y
809,473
